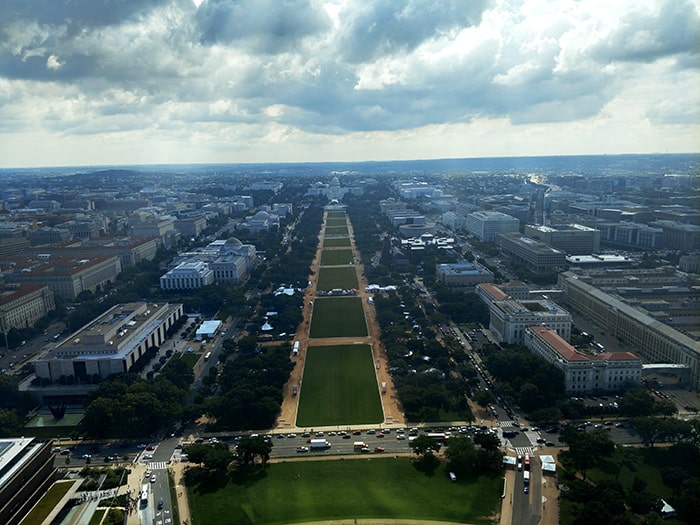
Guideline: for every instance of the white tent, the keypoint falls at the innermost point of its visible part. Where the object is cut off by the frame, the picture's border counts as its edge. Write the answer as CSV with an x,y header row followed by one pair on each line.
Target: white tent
x,y
207,330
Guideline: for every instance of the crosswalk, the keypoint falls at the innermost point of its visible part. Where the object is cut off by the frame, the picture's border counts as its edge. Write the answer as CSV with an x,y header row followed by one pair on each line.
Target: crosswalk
x,y
157,465
521,450
506,424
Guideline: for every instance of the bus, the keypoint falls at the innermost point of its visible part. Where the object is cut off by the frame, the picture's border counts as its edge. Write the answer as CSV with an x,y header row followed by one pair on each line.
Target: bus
x,y
144,494
526,461
207,356
440,437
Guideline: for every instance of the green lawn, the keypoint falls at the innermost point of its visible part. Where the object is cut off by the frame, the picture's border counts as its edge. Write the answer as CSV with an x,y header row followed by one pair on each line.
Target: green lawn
x,y
336,222
339,387
647,466
336,243
332,278
191,358
336,257
378,488
336,214
336,230
338,317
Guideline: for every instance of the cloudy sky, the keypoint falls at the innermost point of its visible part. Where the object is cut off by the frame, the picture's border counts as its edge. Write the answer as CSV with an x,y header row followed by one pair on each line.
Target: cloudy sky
x,y
166,81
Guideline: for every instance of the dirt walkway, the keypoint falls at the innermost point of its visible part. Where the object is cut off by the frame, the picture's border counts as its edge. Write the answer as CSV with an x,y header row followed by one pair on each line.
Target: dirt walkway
x,y
393,414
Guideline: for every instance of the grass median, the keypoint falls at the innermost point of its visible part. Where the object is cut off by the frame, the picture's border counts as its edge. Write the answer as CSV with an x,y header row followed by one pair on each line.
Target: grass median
x,y
338,317
339,387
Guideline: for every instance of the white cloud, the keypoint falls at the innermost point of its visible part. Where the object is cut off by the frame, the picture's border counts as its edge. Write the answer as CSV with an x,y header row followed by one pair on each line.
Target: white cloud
x,y
53,62
358,74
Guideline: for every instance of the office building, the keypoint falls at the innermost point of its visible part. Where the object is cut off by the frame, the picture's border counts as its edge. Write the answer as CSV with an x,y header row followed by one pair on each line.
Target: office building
x,y
22,305
652,339
572,239
110,344
509,318
536,255
487,224
584,373
464,274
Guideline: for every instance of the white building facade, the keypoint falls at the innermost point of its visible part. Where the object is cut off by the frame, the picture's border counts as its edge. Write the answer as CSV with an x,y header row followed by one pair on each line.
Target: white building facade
x,y
584,373
487,224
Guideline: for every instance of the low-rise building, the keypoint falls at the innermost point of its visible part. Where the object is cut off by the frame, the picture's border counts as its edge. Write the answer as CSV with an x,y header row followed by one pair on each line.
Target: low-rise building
x,y
464,274
584,373
509,317
651,338
110,344
572,239
538,256
22,305
189,275
66,275
487,224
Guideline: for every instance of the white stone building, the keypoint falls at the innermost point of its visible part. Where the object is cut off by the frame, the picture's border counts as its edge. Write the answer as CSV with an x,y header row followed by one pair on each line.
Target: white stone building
x,y
584,373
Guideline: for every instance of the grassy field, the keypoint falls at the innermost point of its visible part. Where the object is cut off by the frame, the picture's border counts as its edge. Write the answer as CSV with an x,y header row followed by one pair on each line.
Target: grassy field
x,y
339,387
336,257
336,222
379,488
336,214
336,230
191,359
332,278
338,317
336,243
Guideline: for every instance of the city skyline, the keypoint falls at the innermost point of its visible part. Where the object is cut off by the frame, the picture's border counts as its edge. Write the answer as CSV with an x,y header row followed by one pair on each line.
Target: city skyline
x,y
214,81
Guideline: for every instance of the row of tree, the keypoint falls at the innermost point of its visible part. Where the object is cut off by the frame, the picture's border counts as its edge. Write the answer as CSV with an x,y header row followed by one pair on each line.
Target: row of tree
x,y
129,406
250,389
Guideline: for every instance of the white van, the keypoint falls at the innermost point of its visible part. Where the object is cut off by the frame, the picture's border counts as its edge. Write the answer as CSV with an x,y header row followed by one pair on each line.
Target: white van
x,y
453,477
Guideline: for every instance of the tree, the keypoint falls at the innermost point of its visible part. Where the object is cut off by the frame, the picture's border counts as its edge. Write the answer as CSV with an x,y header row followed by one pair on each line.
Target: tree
x,y
424,445
483,397
251,447
217,457
487,440
629,457
586,448
636,402
461,455
196,452
9,422
649,429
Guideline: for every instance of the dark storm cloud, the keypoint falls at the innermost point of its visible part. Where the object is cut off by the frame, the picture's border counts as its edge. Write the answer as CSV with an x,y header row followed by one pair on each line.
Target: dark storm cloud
x,y
373,29
74,13
268,26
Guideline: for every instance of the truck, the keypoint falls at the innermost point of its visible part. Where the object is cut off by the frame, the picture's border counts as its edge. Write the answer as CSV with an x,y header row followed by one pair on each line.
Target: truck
x,y
359,445
526,477
526,461
316,444
295,348
207,356
383,387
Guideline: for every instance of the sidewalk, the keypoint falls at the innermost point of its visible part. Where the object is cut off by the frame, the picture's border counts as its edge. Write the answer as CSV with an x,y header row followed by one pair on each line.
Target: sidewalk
x,y
183,504
133,487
